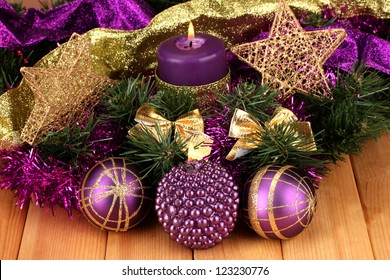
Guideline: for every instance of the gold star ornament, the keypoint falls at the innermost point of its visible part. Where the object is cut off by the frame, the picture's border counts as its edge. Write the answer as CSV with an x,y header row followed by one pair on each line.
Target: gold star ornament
x,y
65,92
291,59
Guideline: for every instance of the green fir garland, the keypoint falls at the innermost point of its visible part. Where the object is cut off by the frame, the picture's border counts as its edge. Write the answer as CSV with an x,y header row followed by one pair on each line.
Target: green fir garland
x,y
71,143
157,156
123,99
356,110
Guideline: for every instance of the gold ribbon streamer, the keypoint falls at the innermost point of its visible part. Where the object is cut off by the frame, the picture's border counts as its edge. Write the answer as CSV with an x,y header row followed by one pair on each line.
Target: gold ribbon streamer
x,y
118,53
189,126
249,131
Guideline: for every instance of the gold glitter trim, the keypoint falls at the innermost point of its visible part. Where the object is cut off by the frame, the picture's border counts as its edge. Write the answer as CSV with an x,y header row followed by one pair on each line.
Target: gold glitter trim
x,y
199,92
252,202
271,196
119,193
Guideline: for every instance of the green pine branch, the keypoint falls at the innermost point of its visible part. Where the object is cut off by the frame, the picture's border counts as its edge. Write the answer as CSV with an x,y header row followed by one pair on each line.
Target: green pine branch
x,y
155,156
47,5
70,143
172,104
283,145
318,20
358,110
124,99
18,7
254,99
10,64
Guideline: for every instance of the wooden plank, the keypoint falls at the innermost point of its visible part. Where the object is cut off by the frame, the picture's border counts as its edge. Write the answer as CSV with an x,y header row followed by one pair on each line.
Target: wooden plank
x,y
12,220
338,229
147,241
48,236
372,171
242,244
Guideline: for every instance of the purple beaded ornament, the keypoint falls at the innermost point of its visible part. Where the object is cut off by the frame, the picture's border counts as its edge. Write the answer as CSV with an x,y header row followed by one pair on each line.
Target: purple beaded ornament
x,y
113,197
197,204
279,202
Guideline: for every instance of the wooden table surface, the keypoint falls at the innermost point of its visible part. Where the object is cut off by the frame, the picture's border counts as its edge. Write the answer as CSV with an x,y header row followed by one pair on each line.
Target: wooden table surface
x,y
351,222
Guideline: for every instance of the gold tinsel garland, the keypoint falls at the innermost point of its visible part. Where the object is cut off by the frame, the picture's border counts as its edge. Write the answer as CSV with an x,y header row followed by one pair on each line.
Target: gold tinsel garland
x,y
118,54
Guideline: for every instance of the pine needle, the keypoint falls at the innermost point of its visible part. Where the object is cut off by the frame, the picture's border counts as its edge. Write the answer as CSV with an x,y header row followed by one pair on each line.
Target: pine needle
x,y
254,99
154,156
124,99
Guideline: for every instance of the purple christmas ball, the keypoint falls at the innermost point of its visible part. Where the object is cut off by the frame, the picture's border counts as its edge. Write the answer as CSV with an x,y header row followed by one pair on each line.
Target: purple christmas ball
x,y
197,204
279,202
113,197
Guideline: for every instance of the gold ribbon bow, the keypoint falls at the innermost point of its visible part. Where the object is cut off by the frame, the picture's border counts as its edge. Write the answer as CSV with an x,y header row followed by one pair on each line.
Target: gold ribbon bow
x,y
189,126
249,131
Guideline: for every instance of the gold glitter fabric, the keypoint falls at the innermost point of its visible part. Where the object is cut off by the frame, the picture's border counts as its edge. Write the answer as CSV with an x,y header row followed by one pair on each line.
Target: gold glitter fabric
x,y
189,126
117,54
291,59
63,93
249,131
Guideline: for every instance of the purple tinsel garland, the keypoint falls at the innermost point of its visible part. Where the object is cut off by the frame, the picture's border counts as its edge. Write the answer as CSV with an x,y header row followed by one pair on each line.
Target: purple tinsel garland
x,y
217,127
49,182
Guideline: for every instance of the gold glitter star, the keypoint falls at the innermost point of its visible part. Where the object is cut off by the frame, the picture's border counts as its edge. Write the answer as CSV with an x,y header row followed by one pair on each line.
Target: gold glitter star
x,y
63,93
291,59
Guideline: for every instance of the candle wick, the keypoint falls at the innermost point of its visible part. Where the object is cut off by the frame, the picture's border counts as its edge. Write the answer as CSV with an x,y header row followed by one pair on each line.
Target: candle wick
x,y
190,44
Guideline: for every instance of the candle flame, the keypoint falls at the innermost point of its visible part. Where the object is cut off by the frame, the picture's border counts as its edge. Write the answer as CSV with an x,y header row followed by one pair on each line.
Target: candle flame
x,y
191,31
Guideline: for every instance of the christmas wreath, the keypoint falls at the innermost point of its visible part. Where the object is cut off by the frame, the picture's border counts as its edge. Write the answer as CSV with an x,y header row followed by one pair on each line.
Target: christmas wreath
x,y
92,128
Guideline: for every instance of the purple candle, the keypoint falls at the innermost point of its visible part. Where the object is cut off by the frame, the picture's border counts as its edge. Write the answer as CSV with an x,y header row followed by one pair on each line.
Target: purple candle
x,y
188,60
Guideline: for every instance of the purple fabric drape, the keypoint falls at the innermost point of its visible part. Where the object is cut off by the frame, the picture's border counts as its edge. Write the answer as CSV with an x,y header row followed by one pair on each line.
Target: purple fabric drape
x,y
24,32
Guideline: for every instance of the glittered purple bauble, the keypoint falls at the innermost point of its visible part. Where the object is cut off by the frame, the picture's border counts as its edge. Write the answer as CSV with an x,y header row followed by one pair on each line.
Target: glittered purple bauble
x,y
197,204
113,196
279,202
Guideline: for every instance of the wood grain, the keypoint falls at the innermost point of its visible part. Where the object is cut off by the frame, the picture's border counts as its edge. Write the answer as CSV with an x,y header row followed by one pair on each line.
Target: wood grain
x,y
372,171
242,244
48,236
351,222
338,230
146,241
12,221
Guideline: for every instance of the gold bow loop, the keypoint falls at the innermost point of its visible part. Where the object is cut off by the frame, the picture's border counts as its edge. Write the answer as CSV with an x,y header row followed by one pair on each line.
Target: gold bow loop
x,y
189,126
249,131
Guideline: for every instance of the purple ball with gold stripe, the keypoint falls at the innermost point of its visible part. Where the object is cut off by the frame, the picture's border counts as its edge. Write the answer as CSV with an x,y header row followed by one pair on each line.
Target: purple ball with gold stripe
x,y
279,202
113,196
